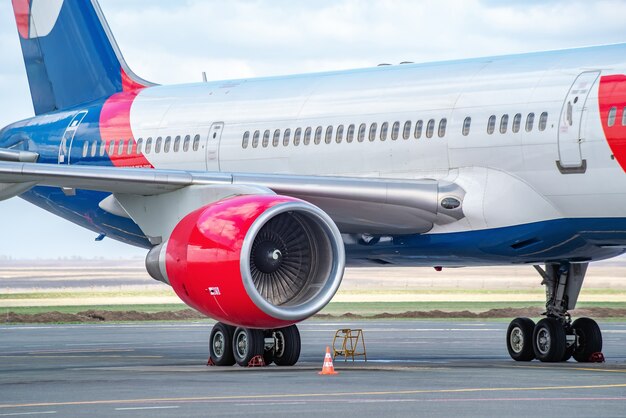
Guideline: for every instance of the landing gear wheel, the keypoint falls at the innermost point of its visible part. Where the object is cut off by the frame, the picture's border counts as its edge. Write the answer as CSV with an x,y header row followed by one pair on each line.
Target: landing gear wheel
x,y
589,339
247,344
268,355
519,339
220,345
569,352
549,341
288,344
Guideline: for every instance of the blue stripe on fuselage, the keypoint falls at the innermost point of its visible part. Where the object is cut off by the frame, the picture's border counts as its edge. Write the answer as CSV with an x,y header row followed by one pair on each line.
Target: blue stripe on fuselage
x,y
588,239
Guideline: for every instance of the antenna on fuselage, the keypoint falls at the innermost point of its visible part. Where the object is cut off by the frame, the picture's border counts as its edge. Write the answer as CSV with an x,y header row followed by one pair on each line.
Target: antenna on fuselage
x,y
204,77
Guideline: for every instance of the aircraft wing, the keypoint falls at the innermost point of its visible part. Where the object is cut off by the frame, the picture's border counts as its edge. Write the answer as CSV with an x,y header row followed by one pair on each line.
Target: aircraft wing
x,y
362,205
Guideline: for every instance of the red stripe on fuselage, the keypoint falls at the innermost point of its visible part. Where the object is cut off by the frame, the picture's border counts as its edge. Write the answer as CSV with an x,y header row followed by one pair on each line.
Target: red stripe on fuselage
x,y
128,84
612,94
21,8
115,126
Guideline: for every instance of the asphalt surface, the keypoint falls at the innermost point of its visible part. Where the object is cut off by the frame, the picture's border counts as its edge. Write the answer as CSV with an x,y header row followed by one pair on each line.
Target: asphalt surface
x,y
414,368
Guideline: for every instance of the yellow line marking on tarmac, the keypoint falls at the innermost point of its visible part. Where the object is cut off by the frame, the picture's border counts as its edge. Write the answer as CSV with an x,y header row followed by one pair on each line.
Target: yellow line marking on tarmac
x,y
308,395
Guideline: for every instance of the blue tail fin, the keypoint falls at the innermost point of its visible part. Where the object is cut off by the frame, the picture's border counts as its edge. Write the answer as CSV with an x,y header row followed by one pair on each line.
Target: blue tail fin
x,y
70,55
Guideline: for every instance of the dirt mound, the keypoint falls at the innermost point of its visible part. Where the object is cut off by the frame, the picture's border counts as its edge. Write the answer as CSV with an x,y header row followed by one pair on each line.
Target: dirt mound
x,y
100,316
189,314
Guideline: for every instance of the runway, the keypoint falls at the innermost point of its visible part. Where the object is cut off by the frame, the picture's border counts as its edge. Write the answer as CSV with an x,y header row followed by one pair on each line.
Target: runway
x,y
417,368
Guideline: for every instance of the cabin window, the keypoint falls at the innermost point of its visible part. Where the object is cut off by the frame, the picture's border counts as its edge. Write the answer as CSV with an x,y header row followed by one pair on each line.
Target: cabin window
x,y
430,128
491,124
467,124
266,138
350,136
307,136
148,145
442,127
255,139
329,135
167,144
157,145
286,137
196,142
339,137
504,124
276,138
612,114
383,131
129,148
517,123
188,141
373,130
244,141
177,142
624,116
418,129
362,129
102,148
395,131
406,133
85,148
296,137
318,135
530,122
139,145
94,148
543,121
111,148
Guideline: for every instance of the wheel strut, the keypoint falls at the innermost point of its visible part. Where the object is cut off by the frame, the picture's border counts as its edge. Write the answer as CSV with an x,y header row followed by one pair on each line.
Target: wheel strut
x,y
556,338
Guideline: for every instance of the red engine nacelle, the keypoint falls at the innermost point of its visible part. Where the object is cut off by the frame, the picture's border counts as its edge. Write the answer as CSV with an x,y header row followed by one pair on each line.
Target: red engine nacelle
x,y
257,261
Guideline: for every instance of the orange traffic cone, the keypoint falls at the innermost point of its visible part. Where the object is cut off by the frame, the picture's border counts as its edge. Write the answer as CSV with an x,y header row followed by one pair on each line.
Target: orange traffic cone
x,y
328,367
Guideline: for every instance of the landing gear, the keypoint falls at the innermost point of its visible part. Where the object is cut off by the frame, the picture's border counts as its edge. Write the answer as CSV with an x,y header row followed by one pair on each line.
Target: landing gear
x,y
229,345
556,338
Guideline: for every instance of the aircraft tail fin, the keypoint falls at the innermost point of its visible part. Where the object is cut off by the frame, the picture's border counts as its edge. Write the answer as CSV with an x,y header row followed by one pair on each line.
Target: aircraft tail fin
x,y
70,54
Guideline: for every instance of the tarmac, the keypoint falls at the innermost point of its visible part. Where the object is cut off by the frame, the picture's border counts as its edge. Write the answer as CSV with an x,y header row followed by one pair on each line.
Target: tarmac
x,y
413,368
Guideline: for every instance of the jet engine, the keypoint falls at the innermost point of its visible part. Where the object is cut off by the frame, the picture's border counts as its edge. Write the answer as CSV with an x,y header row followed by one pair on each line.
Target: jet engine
x,y
256,261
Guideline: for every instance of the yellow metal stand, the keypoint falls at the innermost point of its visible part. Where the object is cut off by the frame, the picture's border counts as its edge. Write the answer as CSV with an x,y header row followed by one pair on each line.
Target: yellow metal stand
x,y
347,342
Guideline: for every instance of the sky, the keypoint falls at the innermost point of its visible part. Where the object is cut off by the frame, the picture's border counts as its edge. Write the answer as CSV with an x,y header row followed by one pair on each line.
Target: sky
x,y
170,42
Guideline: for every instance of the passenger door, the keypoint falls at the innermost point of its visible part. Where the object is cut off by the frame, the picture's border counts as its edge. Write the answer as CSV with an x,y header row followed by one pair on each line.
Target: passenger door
x,y
570,123
65,147
213,147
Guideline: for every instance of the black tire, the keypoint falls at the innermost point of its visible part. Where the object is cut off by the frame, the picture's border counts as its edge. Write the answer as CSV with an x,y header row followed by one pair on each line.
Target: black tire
x,y
569,352
519,339
288,346
549,341
268,355
589,339
220,345
247,344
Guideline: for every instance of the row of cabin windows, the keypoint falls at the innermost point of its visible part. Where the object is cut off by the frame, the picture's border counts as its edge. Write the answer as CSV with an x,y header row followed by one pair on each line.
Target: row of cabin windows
x,y
516,125
307,135
132,147
613,116
394,131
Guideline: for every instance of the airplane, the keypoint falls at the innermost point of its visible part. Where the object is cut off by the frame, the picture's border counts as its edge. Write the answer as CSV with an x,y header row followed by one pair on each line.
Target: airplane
x,y
251,196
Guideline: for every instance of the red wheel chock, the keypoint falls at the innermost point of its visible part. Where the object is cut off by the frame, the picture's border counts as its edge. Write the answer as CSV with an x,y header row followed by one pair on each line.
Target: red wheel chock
x,y
597,358
257,361
210,362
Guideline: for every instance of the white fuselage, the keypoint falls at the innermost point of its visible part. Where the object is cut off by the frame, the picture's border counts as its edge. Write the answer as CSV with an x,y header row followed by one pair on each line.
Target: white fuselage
x,y
510,178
